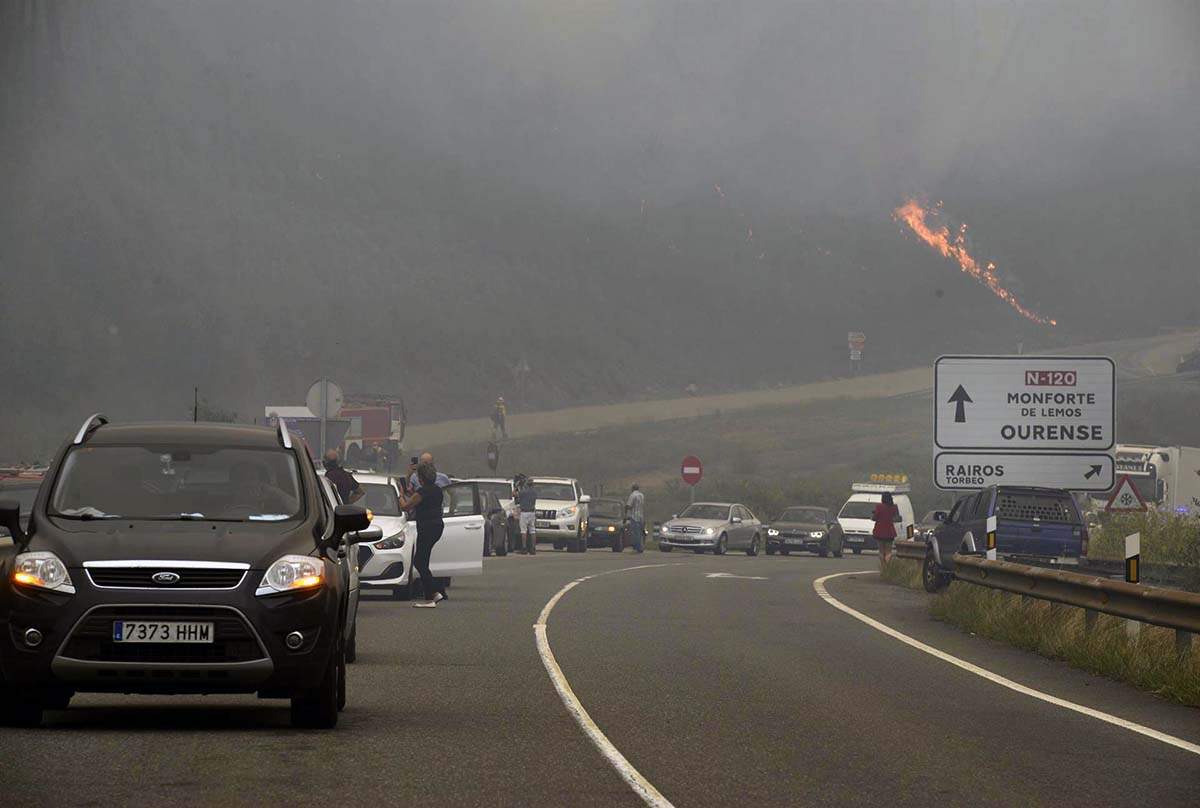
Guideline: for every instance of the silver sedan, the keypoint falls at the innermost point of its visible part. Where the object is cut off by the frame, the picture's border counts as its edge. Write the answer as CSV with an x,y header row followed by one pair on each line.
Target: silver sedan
x,y
715,526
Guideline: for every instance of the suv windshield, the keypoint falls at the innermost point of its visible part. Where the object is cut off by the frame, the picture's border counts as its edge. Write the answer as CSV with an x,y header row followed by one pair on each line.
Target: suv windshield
x,y
813,515
177,482
705,512
381,498
560,491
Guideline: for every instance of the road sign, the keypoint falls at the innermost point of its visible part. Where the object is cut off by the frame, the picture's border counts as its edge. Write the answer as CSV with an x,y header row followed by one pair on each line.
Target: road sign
x,y
1126,497
691,470
324,398
855,356
1024,403
1081,471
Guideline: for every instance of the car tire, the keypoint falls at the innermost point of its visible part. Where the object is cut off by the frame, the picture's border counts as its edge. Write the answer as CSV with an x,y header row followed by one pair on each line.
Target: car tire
x,y
770,550
722,545
752,550
699,551
665,548
933,578
318,708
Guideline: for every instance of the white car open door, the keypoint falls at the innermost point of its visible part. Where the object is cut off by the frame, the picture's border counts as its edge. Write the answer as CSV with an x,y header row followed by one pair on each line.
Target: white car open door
x,y
460,550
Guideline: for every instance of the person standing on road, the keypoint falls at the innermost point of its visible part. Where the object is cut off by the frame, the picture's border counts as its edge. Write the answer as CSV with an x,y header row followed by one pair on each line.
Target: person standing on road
x,y
527,502
348,487
500,416
636,506
426,505
885,528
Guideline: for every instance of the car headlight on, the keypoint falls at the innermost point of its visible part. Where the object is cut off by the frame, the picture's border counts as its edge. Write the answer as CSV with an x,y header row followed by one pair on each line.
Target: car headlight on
x,y
817,534
612,529
42,570
292,573
569,511
664,530
392,542
772,531
708,531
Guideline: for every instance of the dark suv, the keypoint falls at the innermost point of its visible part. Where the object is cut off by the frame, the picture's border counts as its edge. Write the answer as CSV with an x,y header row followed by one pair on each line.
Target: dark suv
x,y
177,558
1042,525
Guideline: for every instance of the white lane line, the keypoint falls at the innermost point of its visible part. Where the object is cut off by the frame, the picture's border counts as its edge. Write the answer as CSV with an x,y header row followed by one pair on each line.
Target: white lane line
x,y
1170,740
632,777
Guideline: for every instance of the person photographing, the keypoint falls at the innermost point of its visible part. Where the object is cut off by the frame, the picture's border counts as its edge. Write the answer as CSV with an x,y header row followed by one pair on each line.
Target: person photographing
x,y
426,506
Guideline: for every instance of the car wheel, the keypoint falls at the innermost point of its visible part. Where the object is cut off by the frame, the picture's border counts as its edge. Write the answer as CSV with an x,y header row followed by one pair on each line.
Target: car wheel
x,y
770,550
932,577
666,548
318,708
752,550
698,551
722,545
352,646
20,708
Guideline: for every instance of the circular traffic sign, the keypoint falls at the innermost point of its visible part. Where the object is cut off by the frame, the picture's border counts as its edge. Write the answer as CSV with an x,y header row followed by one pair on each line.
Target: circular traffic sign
x,y
324,392
691,470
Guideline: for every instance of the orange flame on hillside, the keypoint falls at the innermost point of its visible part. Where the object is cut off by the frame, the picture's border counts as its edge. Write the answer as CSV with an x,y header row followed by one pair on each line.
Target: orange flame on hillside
x,y
916,216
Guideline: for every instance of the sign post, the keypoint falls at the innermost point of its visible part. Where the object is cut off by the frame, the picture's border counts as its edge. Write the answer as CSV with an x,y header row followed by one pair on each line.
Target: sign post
x,y
1024,420
691,471
857,341
1133,557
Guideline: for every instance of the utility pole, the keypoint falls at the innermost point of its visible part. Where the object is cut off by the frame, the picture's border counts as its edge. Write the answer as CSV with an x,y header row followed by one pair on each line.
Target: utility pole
x,y
195,405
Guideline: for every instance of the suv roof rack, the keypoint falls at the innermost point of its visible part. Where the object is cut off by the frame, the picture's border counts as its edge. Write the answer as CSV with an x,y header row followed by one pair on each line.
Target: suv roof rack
x,y
285,437
94,421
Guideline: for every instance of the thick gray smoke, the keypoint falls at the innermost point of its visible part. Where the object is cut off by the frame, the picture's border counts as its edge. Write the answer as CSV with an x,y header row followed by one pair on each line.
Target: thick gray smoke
x,y
630,197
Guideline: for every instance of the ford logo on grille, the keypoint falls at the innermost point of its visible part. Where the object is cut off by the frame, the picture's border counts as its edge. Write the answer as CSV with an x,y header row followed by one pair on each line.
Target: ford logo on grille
x,y
165,578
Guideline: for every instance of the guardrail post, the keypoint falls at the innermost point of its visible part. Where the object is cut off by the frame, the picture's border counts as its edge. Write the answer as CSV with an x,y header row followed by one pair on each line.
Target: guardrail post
x,y
1183,643
1090,616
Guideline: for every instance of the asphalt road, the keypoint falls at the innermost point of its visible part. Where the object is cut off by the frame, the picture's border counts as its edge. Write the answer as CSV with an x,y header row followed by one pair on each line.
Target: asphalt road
x,y
719,691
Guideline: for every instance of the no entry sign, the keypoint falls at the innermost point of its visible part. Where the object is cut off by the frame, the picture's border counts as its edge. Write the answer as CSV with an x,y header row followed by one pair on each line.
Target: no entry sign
x,y
691,470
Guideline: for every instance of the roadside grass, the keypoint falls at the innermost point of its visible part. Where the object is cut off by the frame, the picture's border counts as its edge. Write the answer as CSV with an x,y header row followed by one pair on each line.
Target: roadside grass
x,y
1058,631
1167,538
903,572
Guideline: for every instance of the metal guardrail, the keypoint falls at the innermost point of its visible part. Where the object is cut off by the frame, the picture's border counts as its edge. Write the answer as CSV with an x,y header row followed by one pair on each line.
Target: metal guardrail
x,y
912,550
1169,608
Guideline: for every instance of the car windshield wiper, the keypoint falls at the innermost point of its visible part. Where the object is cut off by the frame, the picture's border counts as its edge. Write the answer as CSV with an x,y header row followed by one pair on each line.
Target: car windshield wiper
x,y
190,517
85,513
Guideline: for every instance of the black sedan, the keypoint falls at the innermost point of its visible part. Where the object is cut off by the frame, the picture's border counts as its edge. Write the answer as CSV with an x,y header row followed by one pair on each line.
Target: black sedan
x,y
607,523
805,527
177,558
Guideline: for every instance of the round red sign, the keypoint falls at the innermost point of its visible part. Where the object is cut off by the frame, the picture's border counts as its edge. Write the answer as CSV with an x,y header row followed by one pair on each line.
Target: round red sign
x,y
691,470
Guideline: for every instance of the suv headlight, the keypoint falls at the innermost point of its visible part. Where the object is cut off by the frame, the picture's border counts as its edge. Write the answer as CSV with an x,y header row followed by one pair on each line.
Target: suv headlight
x,y
42,570
392,542
292,573
569,511
772,531
817,534
664,530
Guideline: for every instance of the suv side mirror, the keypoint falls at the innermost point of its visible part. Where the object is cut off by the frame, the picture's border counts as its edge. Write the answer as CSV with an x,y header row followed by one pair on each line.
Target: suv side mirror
x,y
348,519
585,499
360,536
10,517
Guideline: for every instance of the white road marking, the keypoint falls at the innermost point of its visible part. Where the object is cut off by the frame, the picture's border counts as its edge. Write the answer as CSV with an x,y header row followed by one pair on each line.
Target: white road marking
x,y
731,575
632,777
1170,740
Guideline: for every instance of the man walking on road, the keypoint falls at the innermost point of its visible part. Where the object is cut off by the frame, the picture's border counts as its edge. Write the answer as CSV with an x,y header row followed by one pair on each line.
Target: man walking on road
x,y
500,417
348,487
636,506
527,502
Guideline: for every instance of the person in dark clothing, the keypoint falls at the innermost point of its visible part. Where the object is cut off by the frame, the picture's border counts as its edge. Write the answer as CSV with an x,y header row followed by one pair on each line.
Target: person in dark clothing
x,y
527,503
426,506
885,528
348,487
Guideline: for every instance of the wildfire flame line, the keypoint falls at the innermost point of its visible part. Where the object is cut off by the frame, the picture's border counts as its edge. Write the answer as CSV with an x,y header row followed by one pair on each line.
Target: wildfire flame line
x,y
938,236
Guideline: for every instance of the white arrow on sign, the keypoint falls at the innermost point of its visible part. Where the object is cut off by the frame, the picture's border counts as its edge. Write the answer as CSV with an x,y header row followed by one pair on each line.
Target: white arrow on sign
x,y
731,575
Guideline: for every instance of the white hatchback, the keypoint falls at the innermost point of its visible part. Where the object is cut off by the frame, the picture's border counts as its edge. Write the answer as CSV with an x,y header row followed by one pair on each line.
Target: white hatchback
x,y
857,517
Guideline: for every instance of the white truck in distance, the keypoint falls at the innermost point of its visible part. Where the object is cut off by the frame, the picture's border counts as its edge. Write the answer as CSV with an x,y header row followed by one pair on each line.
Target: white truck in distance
x,y
857,516
1167,477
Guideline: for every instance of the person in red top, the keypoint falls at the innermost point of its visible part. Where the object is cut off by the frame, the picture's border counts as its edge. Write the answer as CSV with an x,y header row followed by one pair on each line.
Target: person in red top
x,y
885,528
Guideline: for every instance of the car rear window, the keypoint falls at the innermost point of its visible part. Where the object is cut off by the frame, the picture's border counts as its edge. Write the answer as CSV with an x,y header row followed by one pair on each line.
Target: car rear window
x,y
1043,506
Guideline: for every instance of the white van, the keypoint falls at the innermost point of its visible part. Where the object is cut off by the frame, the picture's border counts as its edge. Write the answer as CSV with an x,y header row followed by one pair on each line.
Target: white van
x,y
857,516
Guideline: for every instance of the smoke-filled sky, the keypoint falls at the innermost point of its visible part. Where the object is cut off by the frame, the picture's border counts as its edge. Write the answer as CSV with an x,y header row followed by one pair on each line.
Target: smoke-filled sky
x,y
412,197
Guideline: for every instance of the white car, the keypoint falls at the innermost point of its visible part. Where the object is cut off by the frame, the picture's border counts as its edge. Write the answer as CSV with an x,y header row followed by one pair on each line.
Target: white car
x,y
561,513
499,510
857,516
386,564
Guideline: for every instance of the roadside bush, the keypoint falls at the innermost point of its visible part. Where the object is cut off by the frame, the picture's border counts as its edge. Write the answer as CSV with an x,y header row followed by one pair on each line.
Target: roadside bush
x,y
1167,538
902,572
